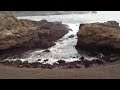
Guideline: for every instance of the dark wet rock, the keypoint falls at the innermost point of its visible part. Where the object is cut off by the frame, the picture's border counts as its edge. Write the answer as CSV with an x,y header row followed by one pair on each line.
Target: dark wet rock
x,y
39,60
18,62
35,65
77,62
74,57
47,50
98,61
86,63
46,60
71,36
61,61
60,64
48,66
107,58
93,61
100,37
81,58
6,62
55,65
26,64
77,56
100,56
70,65
113,59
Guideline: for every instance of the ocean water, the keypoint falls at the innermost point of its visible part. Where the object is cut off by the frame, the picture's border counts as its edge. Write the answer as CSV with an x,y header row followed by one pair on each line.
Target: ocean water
x,y
101,16
65,47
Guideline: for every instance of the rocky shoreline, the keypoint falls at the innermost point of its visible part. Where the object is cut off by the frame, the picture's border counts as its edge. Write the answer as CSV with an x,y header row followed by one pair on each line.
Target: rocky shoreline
x,y
100,38
82,62
18,36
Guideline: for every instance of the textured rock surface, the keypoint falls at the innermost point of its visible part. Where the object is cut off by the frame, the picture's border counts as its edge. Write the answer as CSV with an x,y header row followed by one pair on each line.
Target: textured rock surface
x,y
99,36
26,34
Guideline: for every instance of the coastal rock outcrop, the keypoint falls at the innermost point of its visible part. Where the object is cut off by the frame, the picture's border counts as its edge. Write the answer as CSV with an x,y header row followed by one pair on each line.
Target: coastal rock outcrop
x,y
22,35
101,37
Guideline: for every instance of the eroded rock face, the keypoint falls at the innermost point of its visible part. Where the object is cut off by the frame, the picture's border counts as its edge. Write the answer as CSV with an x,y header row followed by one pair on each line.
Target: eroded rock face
x,y
103,37
22,35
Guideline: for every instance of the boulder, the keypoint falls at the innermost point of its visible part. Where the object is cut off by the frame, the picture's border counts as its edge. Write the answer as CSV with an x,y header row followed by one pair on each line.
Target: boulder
x,y
61,61
46,60
71,36
47,50
39,60
101,37
18,62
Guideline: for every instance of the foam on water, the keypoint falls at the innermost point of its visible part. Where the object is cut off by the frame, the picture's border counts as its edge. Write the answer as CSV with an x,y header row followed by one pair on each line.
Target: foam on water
x,y
64,48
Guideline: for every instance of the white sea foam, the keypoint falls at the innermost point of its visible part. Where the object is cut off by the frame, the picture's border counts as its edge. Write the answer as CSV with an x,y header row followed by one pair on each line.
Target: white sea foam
x,y
64,48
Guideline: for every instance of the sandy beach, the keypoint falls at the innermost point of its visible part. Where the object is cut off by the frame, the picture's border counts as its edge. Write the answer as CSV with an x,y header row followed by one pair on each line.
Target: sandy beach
x,y
109,71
